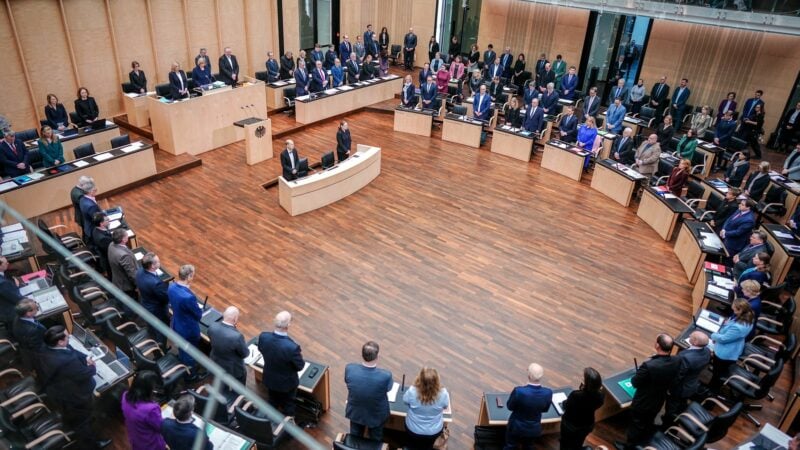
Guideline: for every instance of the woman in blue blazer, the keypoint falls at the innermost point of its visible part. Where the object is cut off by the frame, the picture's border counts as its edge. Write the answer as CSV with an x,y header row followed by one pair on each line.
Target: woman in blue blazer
x,y
201,74
337,72
729,340
758,273
586,136
56,113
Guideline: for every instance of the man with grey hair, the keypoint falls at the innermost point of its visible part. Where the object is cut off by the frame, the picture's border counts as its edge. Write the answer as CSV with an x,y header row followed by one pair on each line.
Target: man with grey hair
x,y
203,54
13,155
228,67
282,360
75,195
186,313
549,100
228,348
89,207
527,403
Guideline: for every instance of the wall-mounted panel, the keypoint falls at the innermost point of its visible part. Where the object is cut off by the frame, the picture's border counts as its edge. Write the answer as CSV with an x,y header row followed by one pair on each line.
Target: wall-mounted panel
x,y
232,31
133,38
168,27
19,110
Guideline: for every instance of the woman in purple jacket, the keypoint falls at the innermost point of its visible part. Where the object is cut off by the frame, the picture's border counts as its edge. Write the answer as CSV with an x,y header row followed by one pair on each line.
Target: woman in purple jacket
x,y
142,413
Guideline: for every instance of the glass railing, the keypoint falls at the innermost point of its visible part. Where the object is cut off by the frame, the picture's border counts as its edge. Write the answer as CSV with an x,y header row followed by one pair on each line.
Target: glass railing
x,y
221,378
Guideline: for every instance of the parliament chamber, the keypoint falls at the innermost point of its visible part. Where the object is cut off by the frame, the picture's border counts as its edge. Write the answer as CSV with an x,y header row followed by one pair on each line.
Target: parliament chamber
x,y
472,246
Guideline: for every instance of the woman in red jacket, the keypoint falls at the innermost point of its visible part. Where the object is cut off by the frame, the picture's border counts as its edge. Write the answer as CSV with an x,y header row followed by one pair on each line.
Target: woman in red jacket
x,y
677,179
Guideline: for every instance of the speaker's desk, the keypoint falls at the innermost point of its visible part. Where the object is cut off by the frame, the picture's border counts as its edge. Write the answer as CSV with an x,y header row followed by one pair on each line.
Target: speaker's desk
x,y
617,398
327,186
661,210
398,410
564,159
203,123
413,121
136,108
512,142
341,100
616,180
696,240
462,130
276,94
491,414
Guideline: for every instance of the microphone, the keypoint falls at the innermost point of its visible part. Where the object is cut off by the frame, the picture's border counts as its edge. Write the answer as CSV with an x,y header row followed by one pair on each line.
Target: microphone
x,y
403,384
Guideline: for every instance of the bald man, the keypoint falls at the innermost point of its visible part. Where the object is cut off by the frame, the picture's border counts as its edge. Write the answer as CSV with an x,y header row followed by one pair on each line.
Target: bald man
x,y
527,404
228,348
692,363
282,360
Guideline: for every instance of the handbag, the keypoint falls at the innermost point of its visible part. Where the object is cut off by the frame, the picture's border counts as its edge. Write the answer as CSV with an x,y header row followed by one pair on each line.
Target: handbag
x,y
441,441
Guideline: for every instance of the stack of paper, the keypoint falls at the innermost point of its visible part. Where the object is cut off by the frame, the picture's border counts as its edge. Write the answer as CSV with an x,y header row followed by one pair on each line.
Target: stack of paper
x,y
711,240
392,394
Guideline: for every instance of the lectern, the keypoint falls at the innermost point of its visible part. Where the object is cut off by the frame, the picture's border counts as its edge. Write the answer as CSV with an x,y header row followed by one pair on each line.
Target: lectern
x,y
258,139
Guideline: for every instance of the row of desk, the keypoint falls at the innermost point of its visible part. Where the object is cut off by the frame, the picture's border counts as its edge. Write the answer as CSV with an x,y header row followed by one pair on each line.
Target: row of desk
x,y
74,137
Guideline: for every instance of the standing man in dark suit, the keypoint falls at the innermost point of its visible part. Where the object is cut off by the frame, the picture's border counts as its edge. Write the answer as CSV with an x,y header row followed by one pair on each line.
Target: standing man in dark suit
x,y
273,68
179,433
9,295
692,363
287,66
228,348
75,195
489,55
330,58
658,98
545,77
757,182
679,100
568,127
750,104
301,79
481,104
494,69
744,259
319,79
429,94
367,385
317,55
13,155
68,378
203,54
591,104
28,332
282,360
290,161
345,49
540,66
369,37
353,69
527,403
652,380
623,150
186,314
122,263
228,67
153,291
534,117
409,46
343,141
89,208
738,227
101,240
505,60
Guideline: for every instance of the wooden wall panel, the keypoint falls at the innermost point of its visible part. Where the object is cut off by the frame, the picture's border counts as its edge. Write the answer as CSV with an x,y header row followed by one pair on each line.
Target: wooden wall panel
x,y
396,15
259,34
533,28
718,60
133,38
17,105
291,26
168,27
232,31
202,25
49,64
93,48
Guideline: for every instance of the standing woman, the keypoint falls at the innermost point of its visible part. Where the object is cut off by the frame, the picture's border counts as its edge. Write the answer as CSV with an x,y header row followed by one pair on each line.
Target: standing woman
x,y
178,83
138,80
343,141
201,74
50,148
752,127
474,56
729,341
636,96
677,179
665,131
442,79
457,69
702,121
142,413
455,47
512,115
85,107
383,40
56,113
433,49
519,68
586,136
426,401
578,419
687,145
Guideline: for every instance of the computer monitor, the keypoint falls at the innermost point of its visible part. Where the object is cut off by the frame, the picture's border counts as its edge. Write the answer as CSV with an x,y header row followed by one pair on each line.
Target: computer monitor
x,y
327,160
302,168
98,124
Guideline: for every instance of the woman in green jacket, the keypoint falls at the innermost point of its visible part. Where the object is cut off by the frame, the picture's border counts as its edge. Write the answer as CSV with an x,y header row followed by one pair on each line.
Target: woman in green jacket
x,y
50,148
687,145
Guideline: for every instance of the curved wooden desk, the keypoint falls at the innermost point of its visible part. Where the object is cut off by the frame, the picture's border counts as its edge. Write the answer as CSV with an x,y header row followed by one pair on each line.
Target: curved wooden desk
x,y
325,187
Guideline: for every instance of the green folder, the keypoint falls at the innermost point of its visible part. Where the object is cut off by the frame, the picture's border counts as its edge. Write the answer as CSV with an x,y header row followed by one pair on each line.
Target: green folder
x,y
627,386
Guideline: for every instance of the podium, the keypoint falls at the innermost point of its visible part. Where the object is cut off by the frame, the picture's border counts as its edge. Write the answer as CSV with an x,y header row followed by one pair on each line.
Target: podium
x,y
258,139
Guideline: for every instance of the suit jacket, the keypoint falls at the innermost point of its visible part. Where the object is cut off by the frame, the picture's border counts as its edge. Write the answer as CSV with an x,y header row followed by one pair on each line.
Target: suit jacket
x,y
301,82
67,378
286,164
10,158
544,78
746,258
180,436
568,86
175,79
480,108
750,106
9,297
228,348
591,110
186,313
101,240
407,96
345,48
152,292
649,157
488,57
721,108
534,119
560,69
58,115
317,56
652,380
549,102
88,209
343,143
433,49
681,97
429,93
495,91
724,132
738,228
792,164
353,71
367,403
123,267
287,67
139,81
367,72
569,125
736,172
627,155
410,41
29,335
86,110
319,81
282,360
614,117
423,76
228,69
494,71
506,59
75,196
756,185
527,403
273,70
659,93
330,59
616,91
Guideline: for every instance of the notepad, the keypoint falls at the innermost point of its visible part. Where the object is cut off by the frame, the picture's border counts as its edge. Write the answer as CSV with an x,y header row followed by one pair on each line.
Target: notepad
x,y
783,234
302,371
138,256
723,282
558,399
392,394
7,185
10,228
793,248
80,163
279,83
627,386
718,291
103,156
20,236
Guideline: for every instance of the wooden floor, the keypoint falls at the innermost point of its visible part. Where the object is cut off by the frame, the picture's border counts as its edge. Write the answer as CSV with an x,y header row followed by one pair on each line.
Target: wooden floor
x,y
457,258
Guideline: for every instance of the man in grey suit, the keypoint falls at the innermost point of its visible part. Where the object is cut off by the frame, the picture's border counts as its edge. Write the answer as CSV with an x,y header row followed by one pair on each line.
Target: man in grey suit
x,y
367,385
228,348
122,263
693,362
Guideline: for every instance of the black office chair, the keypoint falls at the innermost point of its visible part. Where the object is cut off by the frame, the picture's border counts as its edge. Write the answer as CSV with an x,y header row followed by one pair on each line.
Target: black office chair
x,y
746,385
35,159
698,418
706,214
163,90
394,54
96,308
69,240
127,334
460,110
120,141
28,135
773,204
201,399
694,194
768,349
352,442
777,322
708,136
167,366
215,76
289,95
647,114
256,426
75,119
598,121
676,438
698,163
262,75
127,88
83,150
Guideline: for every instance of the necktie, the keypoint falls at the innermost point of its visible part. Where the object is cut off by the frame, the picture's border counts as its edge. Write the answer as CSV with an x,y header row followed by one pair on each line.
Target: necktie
x,y
618,92
660,86
589,105
14,148
622,143
291,158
